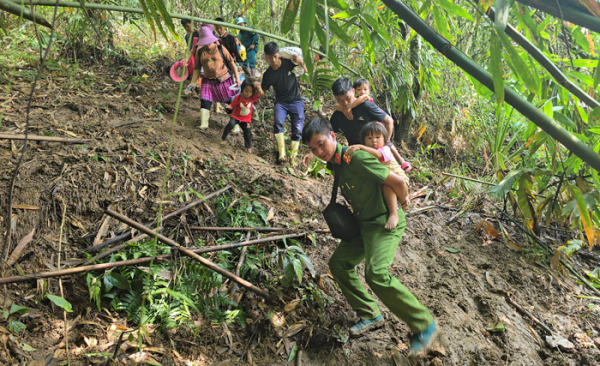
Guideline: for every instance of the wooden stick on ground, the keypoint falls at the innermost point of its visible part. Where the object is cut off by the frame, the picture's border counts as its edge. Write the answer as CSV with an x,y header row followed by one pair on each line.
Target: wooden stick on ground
x,y
234,287
127,235
135,262
10,136
189,253
257,229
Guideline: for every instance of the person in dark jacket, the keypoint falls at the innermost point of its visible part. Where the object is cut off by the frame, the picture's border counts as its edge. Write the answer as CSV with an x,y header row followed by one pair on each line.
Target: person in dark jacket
x,y
229,41
250,40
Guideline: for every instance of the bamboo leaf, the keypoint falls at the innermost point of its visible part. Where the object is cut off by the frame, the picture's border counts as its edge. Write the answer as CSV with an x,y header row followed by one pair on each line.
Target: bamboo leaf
x,y
335,28
346,14
523,193
164,13
183,298
338,4
289,15
456,9
506,184
148,16
440,23
152,7
496,67
502,7
378,27
584,214
596,76
59,301
522,70
322,39
368,41
307,25
564,120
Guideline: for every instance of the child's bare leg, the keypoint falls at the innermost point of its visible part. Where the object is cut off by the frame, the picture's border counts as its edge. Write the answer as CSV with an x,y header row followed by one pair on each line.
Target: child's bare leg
x,y
391,201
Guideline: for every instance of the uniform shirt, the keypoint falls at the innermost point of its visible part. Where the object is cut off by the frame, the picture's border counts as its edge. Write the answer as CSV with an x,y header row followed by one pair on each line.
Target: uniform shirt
x,y
360,180
241,106
363,114
248,38
211,62
283,81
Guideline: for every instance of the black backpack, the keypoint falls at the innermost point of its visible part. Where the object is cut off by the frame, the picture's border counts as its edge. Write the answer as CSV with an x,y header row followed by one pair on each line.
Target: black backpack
x,y
341,221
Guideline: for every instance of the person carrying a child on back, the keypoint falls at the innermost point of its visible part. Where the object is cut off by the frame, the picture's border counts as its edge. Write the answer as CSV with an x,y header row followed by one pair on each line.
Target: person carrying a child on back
x,y
220,72
373,137
242,106
351,116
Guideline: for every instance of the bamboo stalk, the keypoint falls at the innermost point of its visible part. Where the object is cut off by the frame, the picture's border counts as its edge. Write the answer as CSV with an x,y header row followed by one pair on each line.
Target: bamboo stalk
x,y
127,234
72,4
10,136
538,117
569,14
189,253
546,63
16,8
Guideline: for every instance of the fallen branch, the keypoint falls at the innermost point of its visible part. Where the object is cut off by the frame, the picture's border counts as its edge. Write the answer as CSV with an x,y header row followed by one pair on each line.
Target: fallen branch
x,y
238,269
134,262
126,235
133,121
257,229
520,308
10,136
469,179
189,253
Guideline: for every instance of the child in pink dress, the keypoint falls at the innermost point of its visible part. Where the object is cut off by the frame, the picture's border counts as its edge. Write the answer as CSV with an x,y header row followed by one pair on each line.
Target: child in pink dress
x,y
373,136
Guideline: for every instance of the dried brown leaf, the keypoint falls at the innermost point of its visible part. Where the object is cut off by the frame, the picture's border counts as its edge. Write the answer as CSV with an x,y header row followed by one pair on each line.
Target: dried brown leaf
x,y
20,247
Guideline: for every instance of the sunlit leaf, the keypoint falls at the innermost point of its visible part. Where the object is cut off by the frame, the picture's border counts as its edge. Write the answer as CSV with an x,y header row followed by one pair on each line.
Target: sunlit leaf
x,y
59,301
323,40
378,27
584,215
440,23
506,184
368,41
335,28
338,4
523,195
346,14
456,9
307,25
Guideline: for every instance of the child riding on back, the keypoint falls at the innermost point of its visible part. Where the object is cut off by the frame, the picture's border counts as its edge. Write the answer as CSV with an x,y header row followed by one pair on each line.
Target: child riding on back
x,y
373,136
362,89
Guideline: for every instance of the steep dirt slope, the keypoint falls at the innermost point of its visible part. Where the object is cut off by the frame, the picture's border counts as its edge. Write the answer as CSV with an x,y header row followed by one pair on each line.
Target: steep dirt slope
x,y
457,271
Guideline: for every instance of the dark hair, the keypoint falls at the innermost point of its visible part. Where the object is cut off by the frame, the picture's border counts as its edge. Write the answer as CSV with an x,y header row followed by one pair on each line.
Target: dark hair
x,y
361,82
373,128
219,19
341,86
271,48
185,21
248,82
317,126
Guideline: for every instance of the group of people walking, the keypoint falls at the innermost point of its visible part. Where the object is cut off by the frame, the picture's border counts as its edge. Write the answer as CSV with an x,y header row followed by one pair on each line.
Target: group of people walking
x,y
373,175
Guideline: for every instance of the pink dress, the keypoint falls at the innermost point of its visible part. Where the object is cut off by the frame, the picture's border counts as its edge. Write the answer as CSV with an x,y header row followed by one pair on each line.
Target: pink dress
x,y
388,160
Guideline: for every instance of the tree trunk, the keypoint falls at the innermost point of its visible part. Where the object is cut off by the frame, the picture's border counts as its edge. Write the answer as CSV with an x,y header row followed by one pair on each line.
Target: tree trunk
x,y
405,118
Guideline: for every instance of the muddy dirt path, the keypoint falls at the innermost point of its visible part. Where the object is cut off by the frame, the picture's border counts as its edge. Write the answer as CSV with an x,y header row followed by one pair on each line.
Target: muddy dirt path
x,y
455,269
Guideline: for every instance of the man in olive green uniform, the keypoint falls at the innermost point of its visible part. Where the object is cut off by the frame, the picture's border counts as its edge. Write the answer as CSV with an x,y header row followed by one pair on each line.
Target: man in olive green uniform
x,y
361,179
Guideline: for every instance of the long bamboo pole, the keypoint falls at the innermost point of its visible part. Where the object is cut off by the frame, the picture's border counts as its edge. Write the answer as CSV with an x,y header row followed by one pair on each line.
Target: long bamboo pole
x,y
127,234
569,14
538,117
135,262
17,8
72,4
546,63
189,253
257,229
11,136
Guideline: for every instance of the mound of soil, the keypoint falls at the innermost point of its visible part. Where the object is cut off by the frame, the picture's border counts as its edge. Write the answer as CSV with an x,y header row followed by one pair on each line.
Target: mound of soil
x,y
482,292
